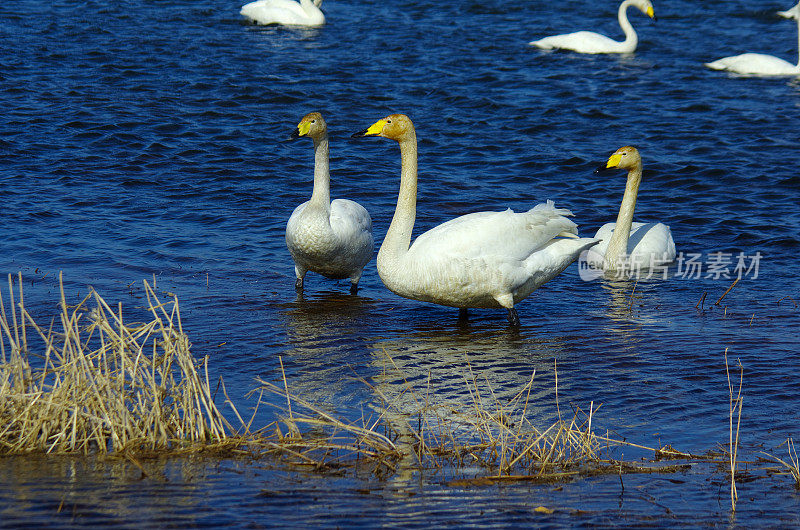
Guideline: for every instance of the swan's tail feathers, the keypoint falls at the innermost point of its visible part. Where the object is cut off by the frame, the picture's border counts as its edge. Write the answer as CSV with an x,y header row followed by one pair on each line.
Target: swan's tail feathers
x,y
549,208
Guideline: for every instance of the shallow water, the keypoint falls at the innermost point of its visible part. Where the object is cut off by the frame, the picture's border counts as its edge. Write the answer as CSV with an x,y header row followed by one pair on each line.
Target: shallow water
x,y
147,139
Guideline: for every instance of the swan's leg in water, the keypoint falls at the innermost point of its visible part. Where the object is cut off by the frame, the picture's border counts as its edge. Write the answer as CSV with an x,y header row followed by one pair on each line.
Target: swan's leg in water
x,y
300,273
354,288
513,318
462,313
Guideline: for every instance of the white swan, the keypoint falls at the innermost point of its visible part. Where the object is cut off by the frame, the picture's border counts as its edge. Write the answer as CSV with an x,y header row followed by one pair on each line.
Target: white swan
x,y
287,12
483,259
758,63
792,12
332,238
626,245
590,42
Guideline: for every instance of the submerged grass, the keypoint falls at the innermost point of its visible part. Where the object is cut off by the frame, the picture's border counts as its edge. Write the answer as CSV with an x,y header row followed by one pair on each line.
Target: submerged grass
x,y
500,442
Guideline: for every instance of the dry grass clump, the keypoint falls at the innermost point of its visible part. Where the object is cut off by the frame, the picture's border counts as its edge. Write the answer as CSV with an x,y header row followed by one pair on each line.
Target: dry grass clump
x,y
500,441
99,383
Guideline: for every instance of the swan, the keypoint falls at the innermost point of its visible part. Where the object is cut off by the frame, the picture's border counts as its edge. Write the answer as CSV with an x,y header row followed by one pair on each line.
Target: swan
x,y
626,245
758,63
590,42
792,12
481,260
287,12
332,238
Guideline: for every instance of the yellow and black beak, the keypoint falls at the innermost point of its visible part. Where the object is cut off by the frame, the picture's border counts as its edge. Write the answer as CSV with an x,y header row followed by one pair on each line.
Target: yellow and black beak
x,y
652,14
373,130
302,129
613,162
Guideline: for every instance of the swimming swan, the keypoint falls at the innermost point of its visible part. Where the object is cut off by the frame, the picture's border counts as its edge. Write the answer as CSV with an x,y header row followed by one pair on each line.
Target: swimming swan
x,y
758,63
627,245
792,12
483,259
332,238
287,12
590,42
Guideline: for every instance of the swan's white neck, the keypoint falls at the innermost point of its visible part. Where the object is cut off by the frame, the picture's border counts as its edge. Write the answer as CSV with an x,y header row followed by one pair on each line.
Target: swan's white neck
x,y
398,237
631,38
321,196
618,244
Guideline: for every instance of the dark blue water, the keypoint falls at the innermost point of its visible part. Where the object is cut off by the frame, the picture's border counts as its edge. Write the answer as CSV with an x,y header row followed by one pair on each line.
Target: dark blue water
x,y
144,139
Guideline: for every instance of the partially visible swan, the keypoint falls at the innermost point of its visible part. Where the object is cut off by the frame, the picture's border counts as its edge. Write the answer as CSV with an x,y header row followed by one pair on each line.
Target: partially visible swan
x,y
626,245
287,12
483,259
590,42
332,238
758,63
792,12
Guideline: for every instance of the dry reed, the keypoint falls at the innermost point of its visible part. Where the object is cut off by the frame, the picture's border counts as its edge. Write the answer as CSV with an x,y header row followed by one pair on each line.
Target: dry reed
x,y
100,383
735,405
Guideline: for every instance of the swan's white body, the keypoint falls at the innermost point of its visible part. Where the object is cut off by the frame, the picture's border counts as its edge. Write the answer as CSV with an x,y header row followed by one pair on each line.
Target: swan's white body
x,y
793,12
481,260
758,63
590,42
286,12
626,245
331,238
755,64
484,259
649,245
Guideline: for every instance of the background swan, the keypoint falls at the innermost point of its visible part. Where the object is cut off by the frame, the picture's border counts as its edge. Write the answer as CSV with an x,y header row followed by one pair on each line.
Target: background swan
x,y
332,238
287,12
792,12
758,63
626,245
483,259
590,42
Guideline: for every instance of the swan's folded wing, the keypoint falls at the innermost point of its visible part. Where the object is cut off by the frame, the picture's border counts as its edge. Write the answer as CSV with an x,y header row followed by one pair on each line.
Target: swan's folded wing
x,y
348,218
580,41
651,241
507,234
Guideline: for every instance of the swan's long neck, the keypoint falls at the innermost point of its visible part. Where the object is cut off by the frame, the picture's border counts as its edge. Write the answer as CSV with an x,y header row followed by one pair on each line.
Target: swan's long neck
x,y
321,196
631,39
398,237
618,244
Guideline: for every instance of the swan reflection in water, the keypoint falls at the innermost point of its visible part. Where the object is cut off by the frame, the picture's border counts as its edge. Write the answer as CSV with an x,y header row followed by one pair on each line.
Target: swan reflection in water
x,y
463,370
326,338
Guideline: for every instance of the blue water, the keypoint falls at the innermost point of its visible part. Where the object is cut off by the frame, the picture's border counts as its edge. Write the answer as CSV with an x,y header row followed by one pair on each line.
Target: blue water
x,y
147,139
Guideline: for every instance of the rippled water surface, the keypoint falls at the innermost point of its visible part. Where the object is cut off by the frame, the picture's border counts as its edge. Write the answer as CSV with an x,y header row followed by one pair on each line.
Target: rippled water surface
x,y
146,139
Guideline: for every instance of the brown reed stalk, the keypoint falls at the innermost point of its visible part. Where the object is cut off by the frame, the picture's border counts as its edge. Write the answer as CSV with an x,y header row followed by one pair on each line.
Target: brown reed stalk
x,y
735,405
